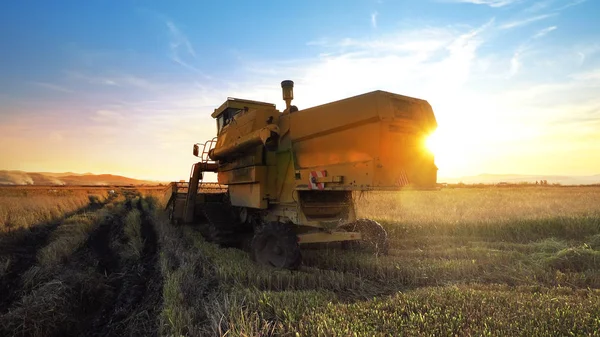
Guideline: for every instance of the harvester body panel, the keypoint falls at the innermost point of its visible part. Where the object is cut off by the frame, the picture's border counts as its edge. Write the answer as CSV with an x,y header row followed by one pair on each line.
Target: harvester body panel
x,y
374,141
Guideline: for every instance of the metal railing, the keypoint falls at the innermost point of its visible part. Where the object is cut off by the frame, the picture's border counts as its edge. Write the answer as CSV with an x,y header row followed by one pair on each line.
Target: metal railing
x,y
182,187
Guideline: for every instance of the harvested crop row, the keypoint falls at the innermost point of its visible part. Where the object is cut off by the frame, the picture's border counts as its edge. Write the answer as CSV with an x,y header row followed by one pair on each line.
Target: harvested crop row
x,y
577,266
100,289
48,244
188,282
473,309
53,288
135,305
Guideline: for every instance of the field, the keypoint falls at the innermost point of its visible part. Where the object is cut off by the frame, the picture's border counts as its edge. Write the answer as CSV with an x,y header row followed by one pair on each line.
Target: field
x,y
465,261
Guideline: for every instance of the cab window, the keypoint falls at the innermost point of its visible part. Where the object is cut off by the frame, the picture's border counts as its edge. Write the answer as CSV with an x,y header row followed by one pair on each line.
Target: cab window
x,y
225,118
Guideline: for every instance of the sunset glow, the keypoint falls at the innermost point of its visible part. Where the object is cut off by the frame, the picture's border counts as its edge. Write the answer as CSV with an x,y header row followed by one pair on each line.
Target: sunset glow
x,y
514,84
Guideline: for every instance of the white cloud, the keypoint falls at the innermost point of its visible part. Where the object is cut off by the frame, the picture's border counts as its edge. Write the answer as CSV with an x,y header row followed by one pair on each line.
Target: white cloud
x,y
538,6
433,63
516,61
178,39
515,64
179,42
113,79
467,85
592,75
107,116
544,32
54,87
586,51
571,4
547,5
491,3
374,19
523,22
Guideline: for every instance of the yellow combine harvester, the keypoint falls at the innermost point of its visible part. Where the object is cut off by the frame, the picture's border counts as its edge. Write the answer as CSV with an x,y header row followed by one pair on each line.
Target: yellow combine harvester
x,y
287,178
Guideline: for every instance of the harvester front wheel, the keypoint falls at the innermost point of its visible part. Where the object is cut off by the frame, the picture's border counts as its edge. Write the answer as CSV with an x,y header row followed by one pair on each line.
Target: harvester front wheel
x,y
275,244
374,237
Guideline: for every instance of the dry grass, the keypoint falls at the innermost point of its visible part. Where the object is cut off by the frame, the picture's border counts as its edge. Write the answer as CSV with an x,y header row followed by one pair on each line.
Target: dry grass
x,y
448,207
160,195
22,208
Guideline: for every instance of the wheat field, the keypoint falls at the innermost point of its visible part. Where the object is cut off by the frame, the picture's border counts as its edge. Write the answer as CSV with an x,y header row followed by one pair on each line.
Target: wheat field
x,y
463,261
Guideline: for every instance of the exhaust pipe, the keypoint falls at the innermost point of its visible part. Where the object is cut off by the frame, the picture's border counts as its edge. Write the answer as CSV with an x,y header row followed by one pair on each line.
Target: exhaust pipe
x,y
287,88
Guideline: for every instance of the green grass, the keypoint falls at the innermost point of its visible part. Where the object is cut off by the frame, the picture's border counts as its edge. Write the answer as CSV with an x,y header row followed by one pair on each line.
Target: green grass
x,y
459,310
479,310
485,262
187,280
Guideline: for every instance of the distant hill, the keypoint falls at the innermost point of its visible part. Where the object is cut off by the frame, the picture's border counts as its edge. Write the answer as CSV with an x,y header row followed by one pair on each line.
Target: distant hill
x,y
68,178
519,178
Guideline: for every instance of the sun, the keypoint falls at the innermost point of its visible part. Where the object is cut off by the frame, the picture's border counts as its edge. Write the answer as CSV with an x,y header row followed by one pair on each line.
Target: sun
x,y
454,150
433,143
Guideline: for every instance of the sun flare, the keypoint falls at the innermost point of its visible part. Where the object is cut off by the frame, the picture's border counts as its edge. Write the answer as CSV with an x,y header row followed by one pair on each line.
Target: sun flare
x,y
432,143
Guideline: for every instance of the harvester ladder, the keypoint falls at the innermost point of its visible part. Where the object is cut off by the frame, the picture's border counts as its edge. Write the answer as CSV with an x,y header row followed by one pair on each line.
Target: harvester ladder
x,y
204,157
208,145
196,177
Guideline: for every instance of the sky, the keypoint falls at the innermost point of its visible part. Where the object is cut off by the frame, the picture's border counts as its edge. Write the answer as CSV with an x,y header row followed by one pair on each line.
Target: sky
x,y
127,87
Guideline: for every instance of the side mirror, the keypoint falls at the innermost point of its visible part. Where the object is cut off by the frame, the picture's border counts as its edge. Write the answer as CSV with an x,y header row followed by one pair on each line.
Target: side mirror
x,y
196,149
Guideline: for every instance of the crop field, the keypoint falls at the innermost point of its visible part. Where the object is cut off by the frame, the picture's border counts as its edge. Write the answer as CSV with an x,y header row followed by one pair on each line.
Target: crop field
x,y
522,261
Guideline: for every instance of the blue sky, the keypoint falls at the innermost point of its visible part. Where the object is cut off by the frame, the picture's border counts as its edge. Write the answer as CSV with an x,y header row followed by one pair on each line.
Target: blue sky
x,y
104,86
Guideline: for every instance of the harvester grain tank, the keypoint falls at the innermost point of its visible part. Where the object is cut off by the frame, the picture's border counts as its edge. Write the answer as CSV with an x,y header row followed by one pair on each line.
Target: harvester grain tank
x,y
287,178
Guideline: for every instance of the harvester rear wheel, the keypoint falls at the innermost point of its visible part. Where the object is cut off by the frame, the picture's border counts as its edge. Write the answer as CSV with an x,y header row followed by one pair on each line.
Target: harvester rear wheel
x,y
275,244
374,237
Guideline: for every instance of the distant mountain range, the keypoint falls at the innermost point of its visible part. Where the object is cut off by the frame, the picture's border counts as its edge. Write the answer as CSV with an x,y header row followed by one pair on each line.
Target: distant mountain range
x,y
521,178
67,178
70,178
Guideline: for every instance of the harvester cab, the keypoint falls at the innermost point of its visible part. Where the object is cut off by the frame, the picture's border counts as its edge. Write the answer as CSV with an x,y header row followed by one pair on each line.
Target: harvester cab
x,y
287,178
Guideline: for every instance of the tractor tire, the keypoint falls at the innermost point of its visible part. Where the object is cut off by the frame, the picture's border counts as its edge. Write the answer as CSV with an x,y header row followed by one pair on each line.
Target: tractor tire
x,y
275,244
374,237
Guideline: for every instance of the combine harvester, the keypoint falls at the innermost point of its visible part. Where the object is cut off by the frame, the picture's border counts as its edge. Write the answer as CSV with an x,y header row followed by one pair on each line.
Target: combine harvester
x,y
287,177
